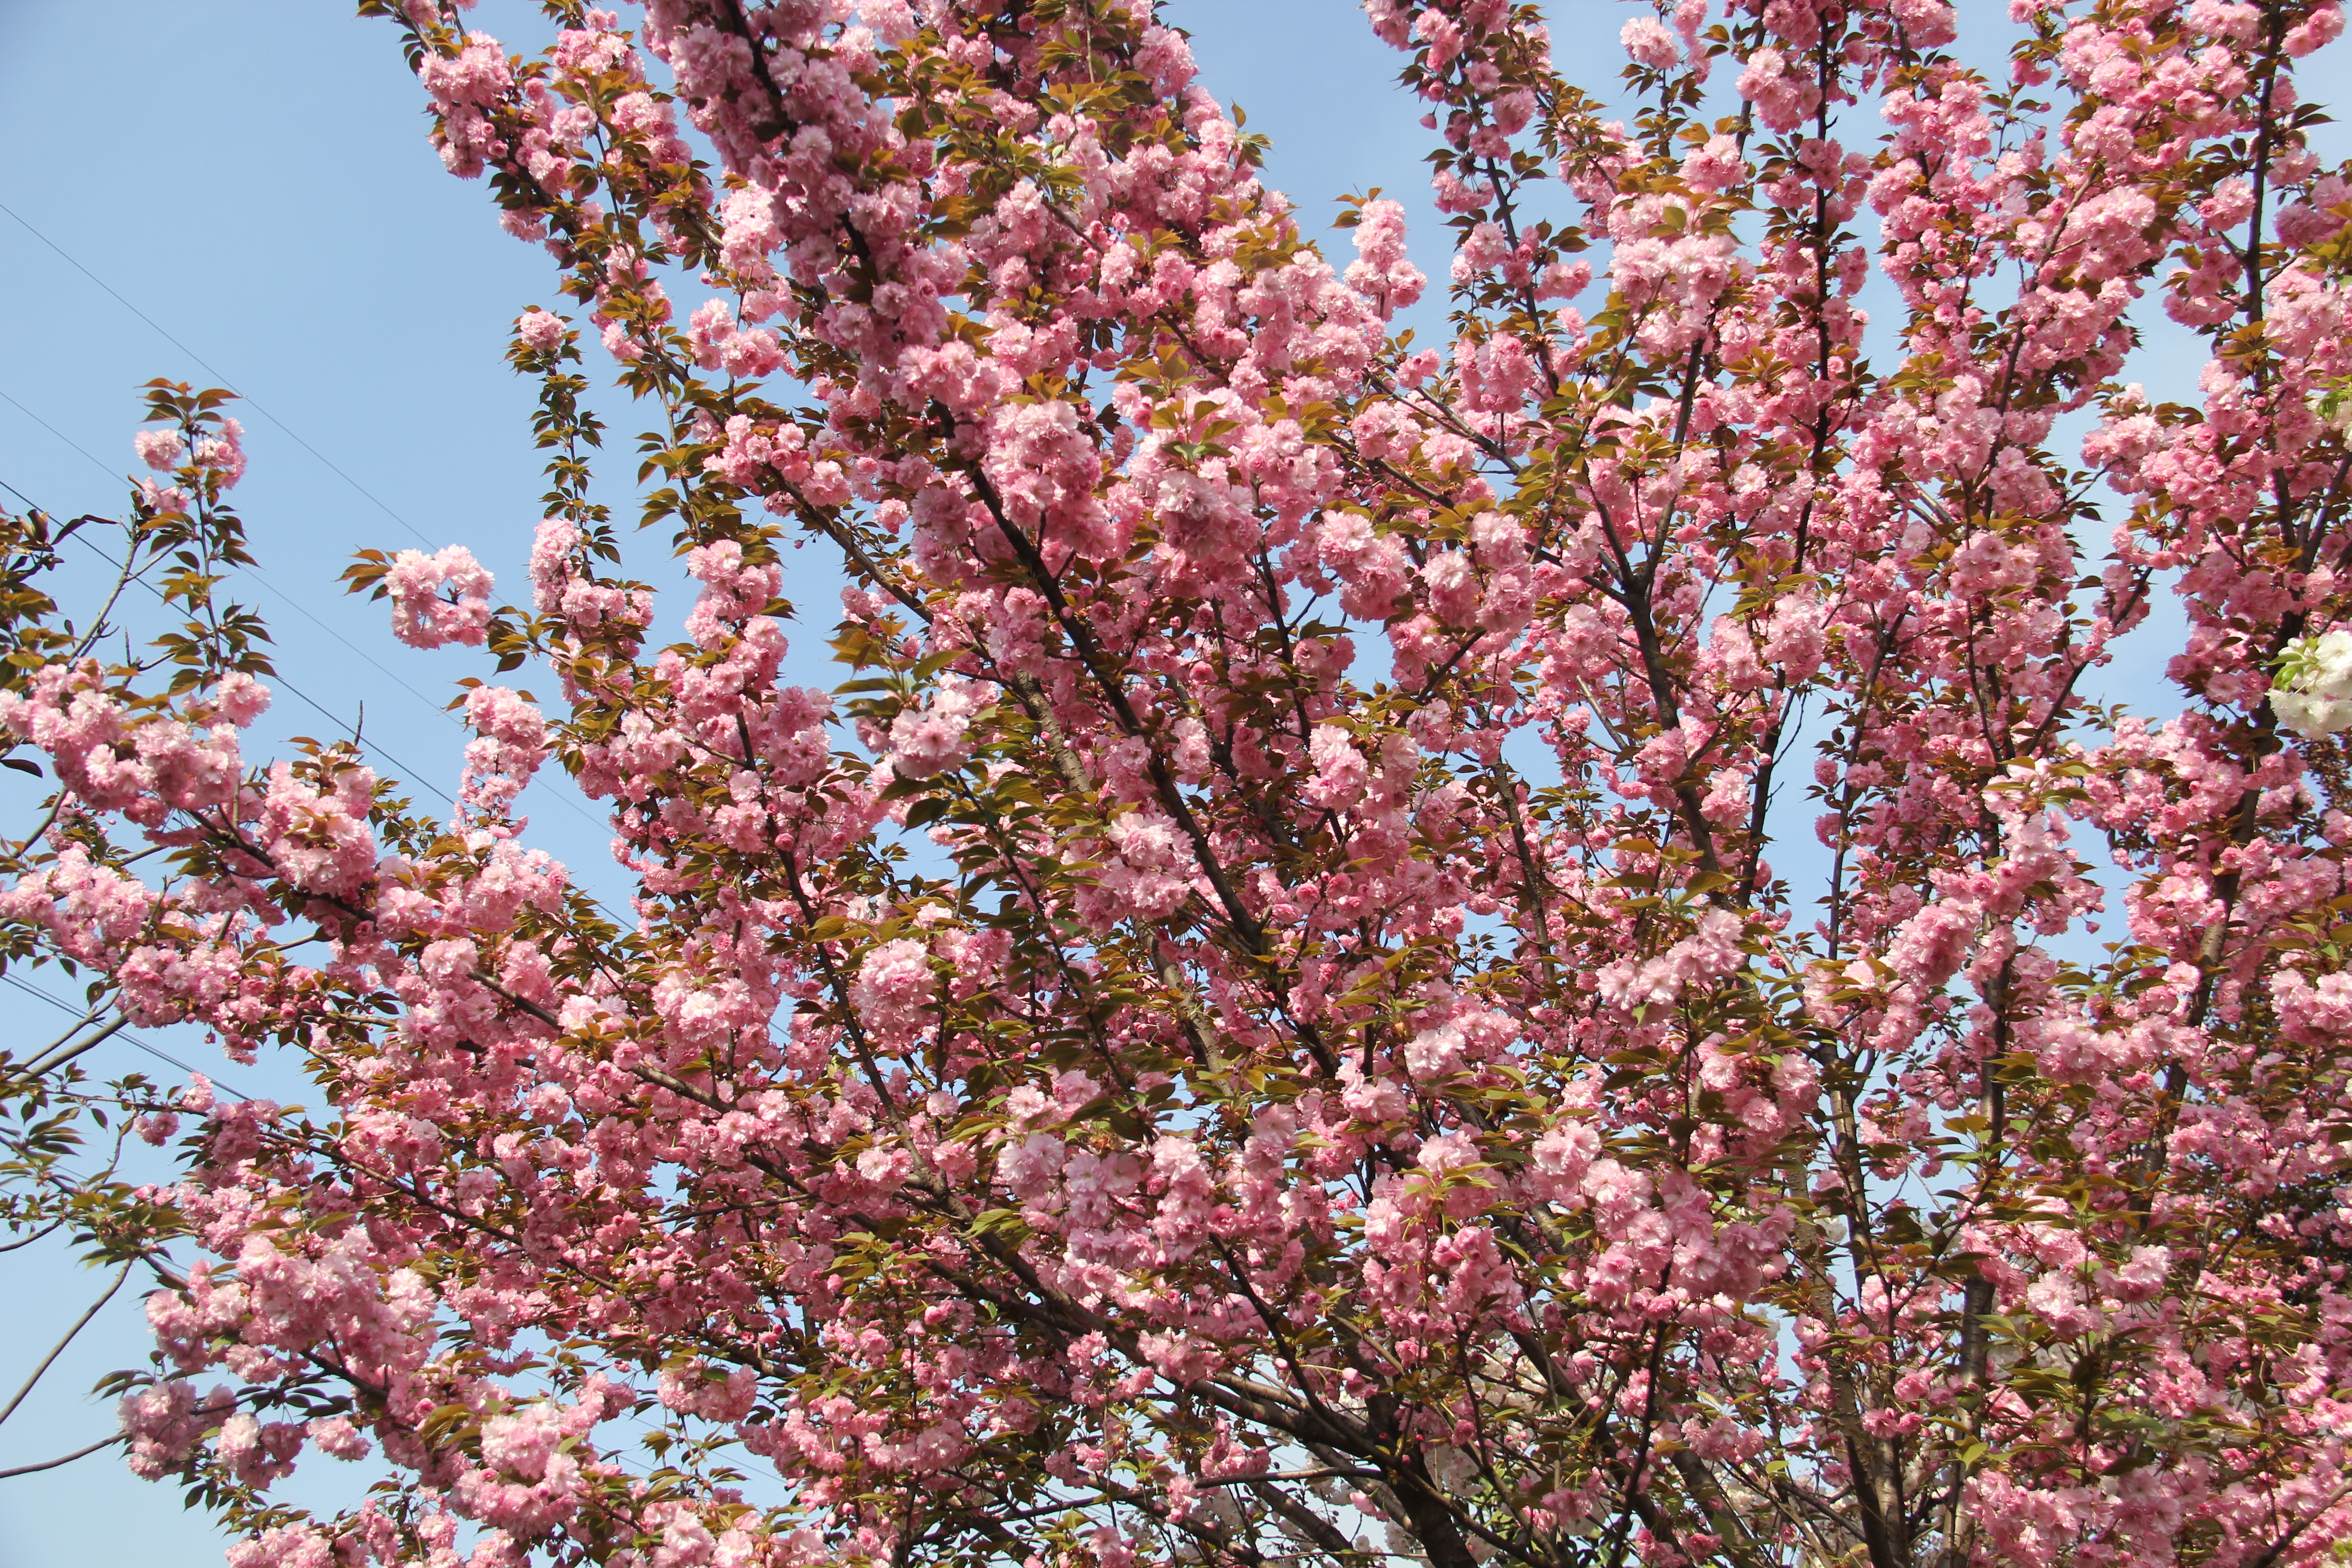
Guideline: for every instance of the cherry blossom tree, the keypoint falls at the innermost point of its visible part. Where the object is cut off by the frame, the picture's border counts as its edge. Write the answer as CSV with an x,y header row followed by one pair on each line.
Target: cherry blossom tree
x,y
1487,953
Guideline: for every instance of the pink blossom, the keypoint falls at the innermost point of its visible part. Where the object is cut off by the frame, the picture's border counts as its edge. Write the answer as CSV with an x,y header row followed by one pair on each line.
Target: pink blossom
x,y
1648,41
241,698
161,450
221,451
929,740
440,598
895,991
538,329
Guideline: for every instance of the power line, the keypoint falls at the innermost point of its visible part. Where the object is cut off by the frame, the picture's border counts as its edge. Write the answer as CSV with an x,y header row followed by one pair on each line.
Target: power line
x,y
249,402
418,534
162,1055
290,601
59,434
256,572
413,775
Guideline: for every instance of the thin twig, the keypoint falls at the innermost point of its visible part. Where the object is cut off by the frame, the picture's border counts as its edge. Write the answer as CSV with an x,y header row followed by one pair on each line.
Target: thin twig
x,y
59,1348
63,1458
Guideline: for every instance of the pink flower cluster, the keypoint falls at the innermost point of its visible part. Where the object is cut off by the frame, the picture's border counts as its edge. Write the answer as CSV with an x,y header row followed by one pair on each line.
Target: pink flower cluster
x,y
438,598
